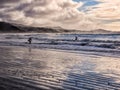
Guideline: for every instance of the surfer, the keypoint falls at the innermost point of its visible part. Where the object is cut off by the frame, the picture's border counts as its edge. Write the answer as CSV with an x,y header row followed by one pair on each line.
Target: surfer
x,y
30,40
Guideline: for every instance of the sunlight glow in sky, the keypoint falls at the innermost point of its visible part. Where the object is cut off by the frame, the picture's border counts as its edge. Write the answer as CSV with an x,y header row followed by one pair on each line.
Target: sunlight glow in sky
x,y
69,14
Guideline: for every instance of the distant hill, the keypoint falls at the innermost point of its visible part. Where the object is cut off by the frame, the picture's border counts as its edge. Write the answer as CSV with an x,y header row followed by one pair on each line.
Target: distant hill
x,y
16,28
10,27
7,27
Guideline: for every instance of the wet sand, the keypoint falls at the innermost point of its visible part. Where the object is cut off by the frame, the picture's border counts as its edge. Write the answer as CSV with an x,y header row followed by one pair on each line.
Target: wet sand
x,y
34,69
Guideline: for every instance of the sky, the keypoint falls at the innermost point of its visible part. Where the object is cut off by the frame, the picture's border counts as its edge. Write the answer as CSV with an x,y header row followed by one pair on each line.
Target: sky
x,y
68,14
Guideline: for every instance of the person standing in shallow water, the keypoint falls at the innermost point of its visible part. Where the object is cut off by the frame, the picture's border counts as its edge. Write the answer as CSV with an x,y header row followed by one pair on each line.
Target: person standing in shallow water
x,y
76,38
30,40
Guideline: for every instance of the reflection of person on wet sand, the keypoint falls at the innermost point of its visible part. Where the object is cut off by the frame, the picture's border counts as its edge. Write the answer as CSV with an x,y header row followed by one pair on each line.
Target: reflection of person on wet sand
x,y
29,49
30,40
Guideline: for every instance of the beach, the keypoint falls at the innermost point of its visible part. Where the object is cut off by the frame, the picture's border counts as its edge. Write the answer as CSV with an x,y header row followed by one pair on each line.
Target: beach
x,y
51,69
59,62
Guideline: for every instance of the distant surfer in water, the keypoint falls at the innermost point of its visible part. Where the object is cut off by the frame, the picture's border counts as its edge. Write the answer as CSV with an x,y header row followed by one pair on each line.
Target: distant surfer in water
x,y
30,40
76,38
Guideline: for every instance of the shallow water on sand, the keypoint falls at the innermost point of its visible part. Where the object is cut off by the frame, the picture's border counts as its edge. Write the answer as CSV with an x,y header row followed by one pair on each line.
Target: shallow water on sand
x,y
35,63
45,60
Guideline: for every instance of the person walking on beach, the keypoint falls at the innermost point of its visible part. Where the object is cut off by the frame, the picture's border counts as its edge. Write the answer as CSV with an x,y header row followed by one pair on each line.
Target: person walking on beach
x,y
30,40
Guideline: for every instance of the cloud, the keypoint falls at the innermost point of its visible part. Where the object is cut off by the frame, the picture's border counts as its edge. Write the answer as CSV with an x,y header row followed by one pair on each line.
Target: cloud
x,y
107,10
106,13
114,26
40,12
64,13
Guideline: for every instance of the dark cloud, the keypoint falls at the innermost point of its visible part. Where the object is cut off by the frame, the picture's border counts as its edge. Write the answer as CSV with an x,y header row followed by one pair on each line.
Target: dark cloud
x,y
8,1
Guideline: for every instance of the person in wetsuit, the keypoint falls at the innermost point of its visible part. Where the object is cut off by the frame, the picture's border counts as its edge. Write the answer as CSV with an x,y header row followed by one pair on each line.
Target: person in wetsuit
x,y
30,40
76,38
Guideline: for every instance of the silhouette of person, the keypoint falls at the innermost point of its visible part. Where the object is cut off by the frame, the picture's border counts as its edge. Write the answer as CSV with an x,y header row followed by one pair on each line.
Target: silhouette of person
x,y
76,38
30,40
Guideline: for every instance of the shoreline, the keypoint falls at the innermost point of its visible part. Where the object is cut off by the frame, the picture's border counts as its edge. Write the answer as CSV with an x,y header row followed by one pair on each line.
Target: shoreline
x,y
89,52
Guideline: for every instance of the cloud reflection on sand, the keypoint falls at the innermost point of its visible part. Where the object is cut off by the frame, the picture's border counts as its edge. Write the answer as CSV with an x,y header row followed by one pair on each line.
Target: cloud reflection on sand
x,y
46,60
59,67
